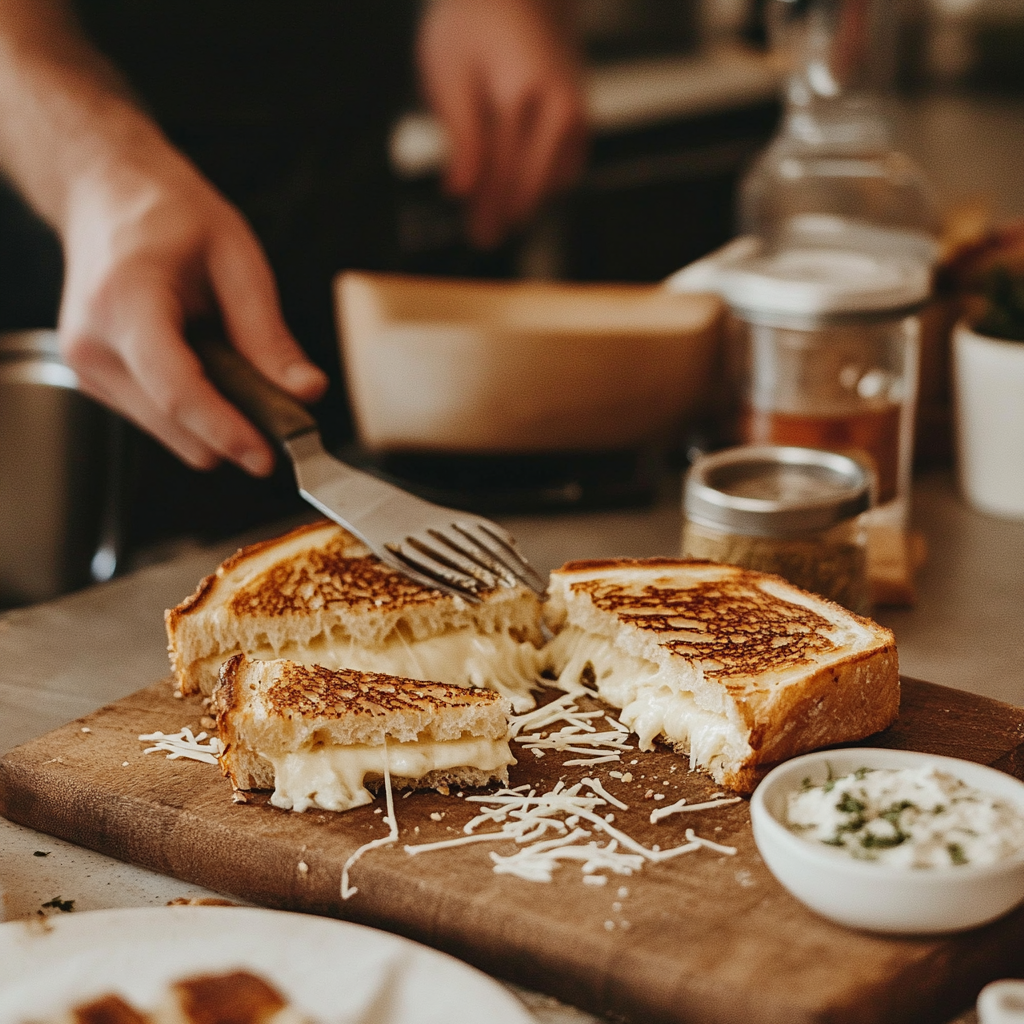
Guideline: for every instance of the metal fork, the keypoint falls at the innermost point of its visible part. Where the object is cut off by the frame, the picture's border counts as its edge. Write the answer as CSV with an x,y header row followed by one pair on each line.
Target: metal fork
x,y
456,552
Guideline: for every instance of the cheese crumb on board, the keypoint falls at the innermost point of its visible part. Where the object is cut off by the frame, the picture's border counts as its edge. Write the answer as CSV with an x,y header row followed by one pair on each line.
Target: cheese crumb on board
x,y
183,743
681,807
528,819
577,736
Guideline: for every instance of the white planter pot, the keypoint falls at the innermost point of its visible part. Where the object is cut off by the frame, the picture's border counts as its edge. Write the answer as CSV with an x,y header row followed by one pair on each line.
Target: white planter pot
x,y
988,388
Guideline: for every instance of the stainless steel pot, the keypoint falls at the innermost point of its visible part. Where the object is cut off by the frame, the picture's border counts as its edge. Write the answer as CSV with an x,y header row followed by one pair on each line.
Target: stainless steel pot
x,y
59,471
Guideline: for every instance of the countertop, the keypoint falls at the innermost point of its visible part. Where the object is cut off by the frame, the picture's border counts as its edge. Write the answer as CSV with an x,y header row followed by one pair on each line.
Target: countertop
x,y
62,659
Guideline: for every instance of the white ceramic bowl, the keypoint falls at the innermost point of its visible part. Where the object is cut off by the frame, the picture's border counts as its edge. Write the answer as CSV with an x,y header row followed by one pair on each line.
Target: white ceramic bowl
x,y
454,366
1002,1002
872,895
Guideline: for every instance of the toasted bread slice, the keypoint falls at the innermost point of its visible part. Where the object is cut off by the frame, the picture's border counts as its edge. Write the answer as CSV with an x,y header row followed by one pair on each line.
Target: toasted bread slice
x,y
318,596
737,668
313,735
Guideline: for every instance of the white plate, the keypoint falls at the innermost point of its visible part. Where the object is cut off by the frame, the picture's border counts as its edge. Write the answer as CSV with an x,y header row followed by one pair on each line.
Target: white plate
x,y
333,971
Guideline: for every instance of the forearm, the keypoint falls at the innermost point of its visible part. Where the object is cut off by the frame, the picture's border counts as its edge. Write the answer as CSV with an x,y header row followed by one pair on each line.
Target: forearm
x,y
66,116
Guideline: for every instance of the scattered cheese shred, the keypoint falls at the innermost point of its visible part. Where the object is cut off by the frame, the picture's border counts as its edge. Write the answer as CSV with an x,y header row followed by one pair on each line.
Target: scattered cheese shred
x,y
527,819
577,735
537,863
596,786
692,837
183,744
348,891
681,806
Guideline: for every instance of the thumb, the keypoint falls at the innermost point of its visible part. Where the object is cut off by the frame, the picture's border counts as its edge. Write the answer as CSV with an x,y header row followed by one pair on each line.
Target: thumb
x,y
244,288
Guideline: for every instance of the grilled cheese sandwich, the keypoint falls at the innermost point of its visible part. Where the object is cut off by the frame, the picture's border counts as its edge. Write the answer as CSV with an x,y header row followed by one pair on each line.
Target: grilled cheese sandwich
x,y
736,668
315,736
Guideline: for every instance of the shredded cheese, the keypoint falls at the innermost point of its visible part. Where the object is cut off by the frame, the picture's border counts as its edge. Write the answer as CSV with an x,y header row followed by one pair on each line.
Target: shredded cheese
x,y
527,819
692,837
183,744
537,863
681,806
577,735
348,891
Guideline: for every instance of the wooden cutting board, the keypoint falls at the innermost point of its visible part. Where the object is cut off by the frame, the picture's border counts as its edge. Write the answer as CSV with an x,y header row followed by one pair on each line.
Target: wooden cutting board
x,y
703,937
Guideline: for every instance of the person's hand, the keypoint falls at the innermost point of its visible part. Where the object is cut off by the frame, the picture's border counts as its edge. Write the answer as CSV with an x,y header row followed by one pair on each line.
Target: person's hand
x,y
149,245
505,85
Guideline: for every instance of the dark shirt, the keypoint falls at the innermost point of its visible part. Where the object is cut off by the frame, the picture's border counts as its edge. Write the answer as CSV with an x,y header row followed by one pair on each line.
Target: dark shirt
x,y
285,105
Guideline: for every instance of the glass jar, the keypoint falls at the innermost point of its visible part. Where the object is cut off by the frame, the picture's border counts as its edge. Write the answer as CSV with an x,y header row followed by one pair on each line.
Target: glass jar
x,y
824,354
795,512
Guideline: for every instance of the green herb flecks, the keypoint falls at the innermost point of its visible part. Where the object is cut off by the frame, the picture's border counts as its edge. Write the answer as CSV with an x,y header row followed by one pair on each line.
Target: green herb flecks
x,y
956,854
1004,317
64,906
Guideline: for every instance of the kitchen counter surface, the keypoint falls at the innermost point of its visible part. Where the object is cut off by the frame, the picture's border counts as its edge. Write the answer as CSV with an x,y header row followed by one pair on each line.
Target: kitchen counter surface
x,y
65,658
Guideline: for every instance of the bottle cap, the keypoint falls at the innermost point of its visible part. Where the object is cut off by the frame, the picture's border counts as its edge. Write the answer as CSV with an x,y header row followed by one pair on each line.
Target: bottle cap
x,y
775,490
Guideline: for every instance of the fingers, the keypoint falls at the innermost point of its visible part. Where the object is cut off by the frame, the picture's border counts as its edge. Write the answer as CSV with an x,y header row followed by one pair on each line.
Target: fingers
x,y
171,377
144,369
457,101
144,250
246,294
535,148
503,81
104,377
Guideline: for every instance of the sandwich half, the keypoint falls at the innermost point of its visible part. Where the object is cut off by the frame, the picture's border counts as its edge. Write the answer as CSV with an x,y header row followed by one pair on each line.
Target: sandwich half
x,y
319,597
317,736
739,669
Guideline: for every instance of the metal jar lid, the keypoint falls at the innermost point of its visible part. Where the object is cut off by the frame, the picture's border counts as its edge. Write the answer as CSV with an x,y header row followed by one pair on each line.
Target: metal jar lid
x,y
775,491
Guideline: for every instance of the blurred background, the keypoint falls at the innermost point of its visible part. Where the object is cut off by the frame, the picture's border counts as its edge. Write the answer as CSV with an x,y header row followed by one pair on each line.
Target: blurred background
x,y
682,94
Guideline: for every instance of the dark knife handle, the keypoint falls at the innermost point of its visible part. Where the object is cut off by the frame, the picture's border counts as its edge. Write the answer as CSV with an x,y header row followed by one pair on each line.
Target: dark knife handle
x,y
274,411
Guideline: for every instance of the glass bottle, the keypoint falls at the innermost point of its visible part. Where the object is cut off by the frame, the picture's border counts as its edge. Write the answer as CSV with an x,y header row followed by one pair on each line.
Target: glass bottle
x,y
832,172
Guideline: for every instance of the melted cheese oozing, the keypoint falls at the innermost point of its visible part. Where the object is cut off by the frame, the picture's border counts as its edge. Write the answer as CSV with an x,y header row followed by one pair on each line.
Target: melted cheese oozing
x,y
653,699
462,657
331,777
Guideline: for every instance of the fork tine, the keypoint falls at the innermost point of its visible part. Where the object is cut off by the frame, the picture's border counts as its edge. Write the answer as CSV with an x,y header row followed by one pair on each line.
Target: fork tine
x,y
397,562
502,547
438,545
469,549
467,586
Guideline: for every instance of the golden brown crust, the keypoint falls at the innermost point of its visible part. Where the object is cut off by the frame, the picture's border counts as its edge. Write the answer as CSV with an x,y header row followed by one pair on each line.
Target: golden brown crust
x,y
284,706
109,1009
842,704
195,601
734,628
238,997
731,627
226,702
314,691
593,564
315,595
331,575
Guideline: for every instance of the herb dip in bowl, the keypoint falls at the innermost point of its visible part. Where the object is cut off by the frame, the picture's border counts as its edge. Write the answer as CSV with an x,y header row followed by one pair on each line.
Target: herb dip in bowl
x,y
892,840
